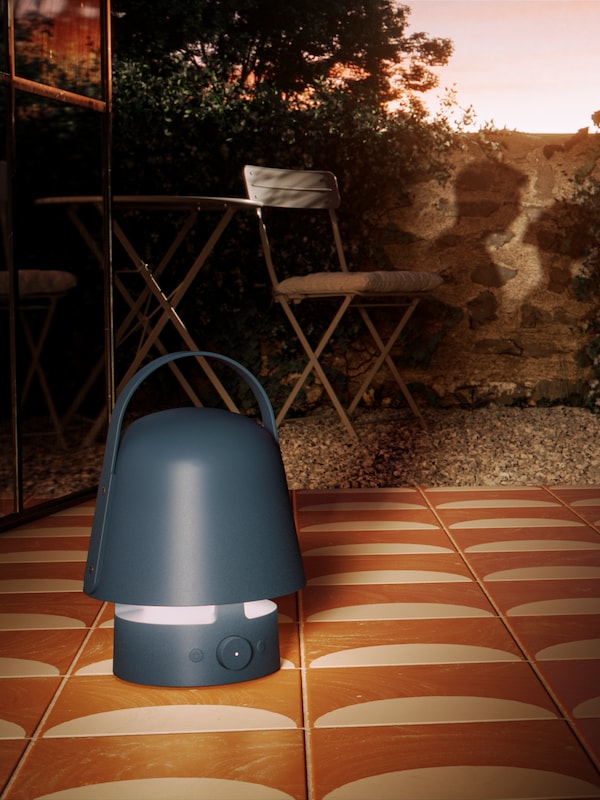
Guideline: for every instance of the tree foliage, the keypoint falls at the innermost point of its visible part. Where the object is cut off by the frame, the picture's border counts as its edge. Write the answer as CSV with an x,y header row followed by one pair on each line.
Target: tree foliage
x,y
225,82
359,44
222,83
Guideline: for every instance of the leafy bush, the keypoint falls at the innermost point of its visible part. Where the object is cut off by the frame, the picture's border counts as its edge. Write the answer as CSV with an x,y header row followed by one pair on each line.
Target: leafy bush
x,y
587,281
183,132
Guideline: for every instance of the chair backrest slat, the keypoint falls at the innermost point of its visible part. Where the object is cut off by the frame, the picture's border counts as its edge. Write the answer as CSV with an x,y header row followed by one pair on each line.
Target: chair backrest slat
x,y
287,188
294,189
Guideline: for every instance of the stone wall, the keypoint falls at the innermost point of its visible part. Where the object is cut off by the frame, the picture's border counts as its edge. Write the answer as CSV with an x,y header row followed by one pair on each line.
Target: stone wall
x,y
509,241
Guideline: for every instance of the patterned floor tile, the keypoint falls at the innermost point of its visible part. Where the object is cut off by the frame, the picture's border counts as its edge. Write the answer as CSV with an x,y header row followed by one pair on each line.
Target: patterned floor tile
x,y
516,598
25,549
245,765
559,637
106,706
475,761
506,540
425,694
80,515
446,646
587,505
85,507
385,569
45,611
539,565
578,496
371,498
41,577
589,730
340,517
10,753
398,601
23,701
519,518
378,542
477,497
42,530
577,684
35,653
288,608
95,657
385,643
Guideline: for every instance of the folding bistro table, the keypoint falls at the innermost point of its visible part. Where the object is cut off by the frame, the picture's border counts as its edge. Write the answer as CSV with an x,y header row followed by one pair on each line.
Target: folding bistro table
x,y
152,324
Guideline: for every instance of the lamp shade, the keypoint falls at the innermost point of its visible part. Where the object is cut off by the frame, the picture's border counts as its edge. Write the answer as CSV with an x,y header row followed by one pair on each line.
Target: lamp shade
x,y
192,515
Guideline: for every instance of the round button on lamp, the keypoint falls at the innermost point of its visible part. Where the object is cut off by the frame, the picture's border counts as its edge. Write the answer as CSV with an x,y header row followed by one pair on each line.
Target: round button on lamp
x,y
193,533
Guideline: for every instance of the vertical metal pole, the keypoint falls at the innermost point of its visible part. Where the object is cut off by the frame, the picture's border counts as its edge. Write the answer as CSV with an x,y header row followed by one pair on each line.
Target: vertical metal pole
x,y
109,329
13,285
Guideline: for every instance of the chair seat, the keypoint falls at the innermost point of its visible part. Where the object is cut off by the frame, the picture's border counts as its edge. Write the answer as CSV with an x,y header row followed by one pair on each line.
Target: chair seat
x,y
39,282
387,282
317,190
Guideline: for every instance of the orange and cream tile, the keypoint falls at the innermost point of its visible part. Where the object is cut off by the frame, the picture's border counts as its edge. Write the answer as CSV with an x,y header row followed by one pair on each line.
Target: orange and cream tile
x,y
446,646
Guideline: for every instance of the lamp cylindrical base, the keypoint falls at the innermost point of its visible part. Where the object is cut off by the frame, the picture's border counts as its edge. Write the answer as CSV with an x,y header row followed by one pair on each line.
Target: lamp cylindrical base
x,y
230,649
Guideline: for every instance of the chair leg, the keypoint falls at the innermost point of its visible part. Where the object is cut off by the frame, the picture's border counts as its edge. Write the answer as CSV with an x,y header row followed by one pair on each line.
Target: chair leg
x,y
314,365
384,355
35,368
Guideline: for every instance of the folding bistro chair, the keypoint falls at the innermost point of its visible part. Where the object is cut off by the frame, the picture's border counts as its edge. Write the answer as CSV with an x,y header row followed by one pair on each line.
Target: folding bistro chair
x,y
318,190
39,293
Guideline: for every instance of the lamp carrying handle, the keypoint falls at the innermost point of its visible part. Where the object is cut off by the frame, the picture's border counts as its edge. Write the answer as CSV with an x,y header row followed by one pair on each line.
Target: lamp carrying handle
x,y
118,415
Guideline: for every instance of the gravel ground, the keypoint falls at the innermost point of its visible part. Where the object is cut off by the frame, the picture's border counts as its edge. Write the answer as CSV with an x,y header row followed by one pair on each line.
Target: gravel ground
x,y
494,446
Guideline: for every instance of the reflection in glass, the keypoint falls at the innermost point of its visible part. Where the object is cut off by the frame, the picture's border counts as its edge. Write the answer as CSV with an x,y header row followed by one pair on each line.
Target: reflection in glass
x,y
7,467
3,51
57,42
54,361
55,140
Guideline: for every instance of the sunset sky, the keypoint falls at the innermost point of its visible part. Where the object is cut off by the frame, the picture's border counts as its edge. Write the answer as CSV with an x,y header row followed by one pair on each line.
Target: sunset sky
x,y
529,65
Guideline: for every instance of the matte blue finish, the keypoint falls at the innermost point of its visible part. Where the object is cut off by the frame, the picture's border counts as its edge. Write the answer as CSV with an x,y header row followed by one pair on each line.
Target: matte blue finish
x,y
193,507
231,650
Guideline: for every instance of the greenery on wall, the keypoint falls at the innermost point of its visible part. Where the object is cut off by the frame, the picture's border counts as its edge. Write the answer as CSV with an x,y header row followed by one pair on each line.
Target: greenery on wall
x,y
587,281
222,83
187,120
166,143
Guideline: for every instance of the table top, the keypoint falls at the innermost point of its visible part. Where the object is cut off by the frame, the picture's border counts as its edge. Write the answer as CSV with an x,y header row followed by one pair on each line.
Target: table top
x,y
156,202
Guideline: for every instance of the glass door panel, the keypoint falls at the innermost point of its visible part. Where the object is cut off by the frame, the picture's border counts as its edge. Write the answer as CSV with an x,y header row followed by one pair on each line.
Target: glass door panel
x,y
55,324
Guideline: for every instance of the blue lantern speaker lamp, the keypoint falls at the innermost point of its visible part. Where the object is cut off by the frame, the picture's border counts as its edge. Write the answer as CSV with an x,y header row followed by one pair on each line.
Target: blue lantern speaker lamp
x,y
193,533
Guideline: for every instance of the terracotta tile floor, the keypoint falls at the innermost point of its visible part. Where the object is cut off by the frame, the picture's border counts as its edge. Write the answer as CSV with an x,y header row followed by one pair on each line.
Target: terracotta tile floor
x,y
447,645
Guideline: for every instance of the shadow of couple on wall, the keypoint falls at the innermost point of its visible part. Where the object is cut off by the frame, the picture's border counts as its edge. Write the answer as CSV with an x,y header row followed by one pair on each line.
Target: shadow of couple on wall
x,y
483,251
